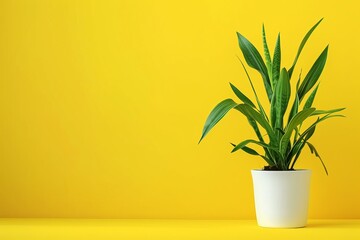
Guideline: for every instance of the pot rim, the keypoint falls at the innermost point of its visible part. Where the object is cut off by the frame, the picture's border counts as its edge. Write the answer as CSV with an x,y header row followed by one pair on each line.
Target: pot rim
x,y
279,171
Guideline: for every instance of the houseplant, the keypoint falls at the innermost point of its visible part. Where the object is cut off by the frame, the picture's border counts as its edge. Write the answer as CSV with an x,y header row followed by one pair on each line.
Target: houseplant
x,y
281,192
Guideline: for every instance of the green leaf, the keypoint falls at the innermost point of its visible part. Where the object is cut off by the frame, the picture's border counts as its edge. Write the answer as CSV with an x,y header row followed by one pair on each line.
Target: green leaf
x,y
298,81
280,130
310,130
255,153
280,100
246,142
297,119
302,44
299,145
250,119
314,74
251,113
313,150
216,115
254,125
311,98
251,151
262,111
318,112
241,96
254,60
267,55
297,155
276,62
295,107
309,133
320,120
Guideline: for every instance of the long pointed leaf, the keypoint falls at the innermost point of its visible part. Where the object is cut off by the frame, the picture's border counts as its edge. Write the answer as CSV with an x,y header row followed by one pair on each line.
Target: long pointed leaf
x,y
311,98
314,74
216,115
250,151
310,130
262,111
267,56
302,44
255,153
251,113
251,120
280,100
254,125
241,96
247,150
276,62
299,145
254,60
246,142
295,107
297,119
319,112
314,151
243,147
321,120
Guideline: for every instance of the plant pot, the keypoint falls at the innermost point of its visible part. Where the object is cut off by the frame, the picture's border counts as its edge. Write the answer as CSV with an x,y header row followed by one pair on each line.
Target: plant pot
x,y
281,197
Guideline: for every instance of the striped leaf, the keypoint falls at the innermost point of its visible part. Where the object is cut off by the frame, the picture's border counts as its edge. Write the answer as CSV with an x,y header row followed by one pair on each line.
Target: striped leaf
x,y
280,100
276,62
254,60
267,56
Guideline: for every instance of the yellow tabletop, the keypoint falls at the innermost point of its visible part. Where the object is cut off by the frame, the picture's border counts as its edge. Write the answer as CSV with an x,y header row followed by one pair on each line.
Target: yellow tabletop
x,y
68,229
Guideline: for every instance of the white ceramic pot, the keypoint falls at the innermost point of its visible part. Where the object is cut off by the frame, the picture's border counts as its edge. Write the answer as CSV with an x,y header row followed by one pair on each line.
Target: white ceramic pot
x,y
281,197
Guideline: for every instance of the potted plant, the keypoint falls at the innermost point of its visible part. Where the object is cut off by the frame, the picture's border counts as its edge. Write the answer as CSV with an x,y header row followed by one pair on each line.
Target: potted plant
x,y
281,191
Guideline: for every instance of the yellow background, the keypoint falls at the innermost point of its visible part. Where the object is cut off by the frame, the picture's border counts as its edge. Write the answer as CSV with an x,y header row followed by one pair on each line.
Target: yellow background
x,y
102,104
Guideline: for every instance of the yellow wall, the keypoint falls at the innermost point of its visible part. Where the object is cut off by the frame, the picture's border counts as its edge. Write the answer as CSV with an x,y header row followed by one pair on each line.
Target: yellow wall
x,y
102,104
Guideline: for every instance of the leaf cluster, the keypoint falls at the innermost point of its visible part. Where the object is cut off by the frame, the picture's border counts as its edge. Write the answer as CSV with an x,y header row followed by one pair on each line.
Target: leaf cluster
x,y
279,132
